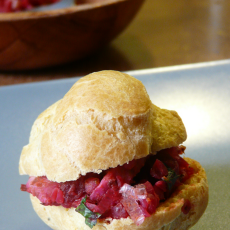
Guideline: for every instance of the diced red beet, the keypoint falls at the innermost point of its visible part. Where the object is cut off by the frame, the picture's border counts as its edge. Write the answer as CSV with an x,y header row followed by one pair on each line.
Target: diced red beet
x,y
182,163
153,202
145,212
143,203
162,185
110,198
159,192
54,195
76,202
106,183
91,184
150,204
149,187
93,207
158,170
59,197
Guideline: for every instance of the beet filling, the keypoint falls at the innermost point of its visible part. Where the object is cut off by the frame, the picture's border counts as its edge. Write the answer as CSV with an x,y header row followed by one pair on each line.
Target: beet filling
x,y
134,189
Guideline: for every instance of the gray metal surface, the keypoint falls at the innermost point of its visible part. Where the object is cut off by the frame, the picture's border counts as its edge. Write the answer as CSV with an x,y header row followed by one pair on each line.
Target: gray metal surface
x,y
201,95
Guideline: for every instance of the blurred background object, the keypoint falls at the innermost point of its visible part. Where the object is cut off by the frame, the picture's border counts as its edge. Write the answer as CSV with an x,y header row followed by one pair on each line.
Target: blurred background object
x,y
163,33
47,38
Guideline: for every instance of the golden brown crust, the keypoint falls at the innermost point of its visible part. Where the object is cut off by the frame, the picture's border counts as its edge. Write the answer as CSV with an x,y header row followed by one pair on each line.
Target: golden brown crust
x,y
168,215
167,129
105,115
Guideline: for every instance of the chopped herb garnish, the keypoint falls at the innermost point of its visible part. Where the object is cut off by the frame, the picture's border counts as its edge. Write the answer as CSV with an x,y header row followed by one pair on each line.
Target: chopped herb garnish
x,y
171,178
90,217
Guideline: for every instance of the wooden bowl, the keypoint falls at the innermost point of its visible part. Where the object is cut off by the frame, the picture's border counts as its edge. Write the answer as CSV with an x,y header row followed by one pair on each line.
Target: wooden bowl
x,y
30,40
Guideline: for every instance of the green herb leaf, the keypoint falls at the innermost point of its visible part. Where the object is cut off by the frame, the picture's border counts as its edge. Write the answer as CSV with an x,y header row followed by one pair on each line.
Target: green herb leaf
x,y
171,178
90,217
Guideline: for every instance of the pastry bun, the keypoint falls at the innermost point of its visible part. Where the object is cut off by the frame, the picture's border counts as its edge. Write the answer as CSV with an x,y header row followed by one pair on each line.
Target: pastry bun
x,y
168,215
105,120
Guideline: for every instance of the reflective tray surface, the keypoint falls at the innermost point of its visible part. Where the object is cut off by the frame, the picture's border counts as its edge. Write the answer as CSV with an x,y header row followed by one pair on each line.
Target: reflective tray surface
x,y
200,93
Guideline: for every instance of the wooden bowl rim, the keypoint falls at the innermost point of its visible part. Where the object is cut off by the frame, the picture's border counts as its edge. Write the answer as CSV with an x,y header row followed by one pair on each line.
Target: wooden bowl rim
x,y
26,15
